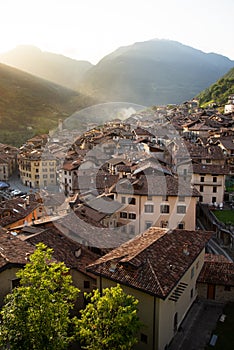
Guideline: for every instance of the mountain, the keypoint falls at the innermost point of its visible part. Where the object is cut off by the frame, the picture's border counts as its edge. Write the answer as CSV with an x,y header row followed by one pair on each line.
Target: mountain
x,y
50,66
30,105
219,91
154,72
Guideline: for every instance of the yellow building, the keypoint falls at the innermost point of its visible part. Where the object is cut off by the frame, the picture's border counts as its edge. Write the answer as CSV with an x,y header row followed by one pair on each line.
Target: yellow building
x,y
36,169
160,268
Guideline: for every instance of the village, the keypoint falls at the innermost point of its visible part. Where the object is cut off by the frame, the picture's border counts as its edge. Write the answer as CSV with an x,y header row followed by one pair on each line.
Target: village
x,y
146,202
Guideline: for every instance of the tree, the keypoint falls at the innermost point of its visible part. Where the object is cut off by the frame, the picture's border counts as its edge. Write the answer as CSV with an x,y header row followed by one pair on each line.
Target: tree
x,y
109,321
36,314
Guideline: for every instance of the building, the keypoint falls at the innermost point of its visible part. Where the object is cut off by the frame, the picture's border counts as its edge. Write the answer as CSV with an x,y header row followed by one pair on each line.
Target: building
x,y
216,280
8,161
13,256
37,170
229,107
160,268
209,180
155,200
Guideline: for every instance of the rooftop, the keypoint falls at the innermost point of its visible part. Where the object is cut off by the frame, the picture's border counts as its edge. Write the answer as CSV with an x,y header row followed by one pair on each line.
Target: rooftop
x,y
154,261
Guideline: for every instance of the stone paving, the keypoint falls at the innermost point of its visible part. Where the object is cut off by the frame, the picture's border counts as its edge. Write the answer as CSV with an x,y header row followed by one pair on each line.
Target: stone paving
x,y
197,328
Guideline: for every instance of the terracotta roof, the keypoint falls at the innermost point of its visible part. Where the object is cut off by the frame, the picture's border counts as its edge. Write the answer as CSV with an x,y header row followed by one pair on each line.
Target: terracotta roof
x,y
18,210
154,261
72,253
91,233
13,250
210,169
157,185
217,270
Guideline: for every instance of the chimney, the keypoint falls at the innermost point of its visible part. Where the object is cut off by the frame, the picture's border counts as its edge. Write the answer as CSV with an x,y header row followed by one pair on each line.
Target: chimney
x,y
185,249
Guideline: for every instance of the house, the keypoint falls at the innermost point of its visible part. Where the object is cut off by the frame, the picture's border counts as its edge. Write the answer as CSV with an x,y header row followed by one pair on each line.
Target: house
x,y
209,180
160,268
13,256
17,212
155,200
75,256
216,279
8,161
229,107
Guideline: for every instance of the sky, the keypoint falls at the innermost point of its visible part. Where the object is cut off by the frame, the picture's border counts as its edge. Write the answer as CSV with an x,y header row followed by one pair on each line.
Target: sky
x,y
91,29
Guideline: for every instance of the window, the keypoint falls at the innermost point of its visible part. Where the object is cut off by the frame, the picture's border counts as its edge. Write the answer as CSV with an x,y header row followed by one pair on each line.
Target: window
x,y
149,198
131,229
123,215
214,178
164,224
149,208
164,198
192,272
181,209
44,163
164,209
86,284
181,226
227,288
191,293
197,264
44,170
132,201
144,338
213,199
37,176
214,189
202,179
52,176
201,188
123,200
148,224
44,176
208,161
181,198
132,216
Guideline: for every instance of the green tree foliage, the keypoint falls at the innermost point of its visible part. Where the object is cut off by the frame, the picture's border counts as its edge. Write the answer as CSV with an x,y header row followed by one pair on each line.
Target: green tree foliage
x,y
36,314
219,92
109,321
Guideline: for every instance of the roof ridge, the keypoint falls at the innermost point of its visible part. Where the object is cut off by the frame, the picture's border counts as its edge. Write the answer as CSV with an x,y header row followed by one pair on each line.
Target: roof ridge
x,y
139,251
155,276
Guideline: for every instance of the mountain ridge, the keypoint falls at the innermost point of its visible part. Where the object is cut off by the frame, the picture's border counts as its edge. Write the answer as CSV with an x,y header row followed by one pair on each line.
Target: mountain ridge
x,y
150,72
57,68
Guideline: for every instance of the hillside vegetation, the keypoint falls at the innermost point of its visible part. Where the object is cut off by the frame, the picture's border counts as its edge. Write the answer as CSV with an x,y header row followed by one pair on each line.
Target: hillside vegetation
x,y
30,105
56,68
218,92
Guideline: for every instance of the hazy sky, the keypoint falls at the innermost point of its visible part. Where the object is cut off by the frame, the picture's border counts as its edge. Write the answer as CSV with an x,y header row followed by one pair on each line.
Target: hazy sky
x,y
90,29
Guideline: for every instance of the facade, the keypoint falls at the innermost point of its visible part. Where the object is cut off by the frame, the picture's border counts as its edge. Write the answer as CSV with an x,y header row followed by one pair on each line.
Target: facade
x,y
160,268
35,171
229,107
162,201
8,161
216,280
209,180
13,256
